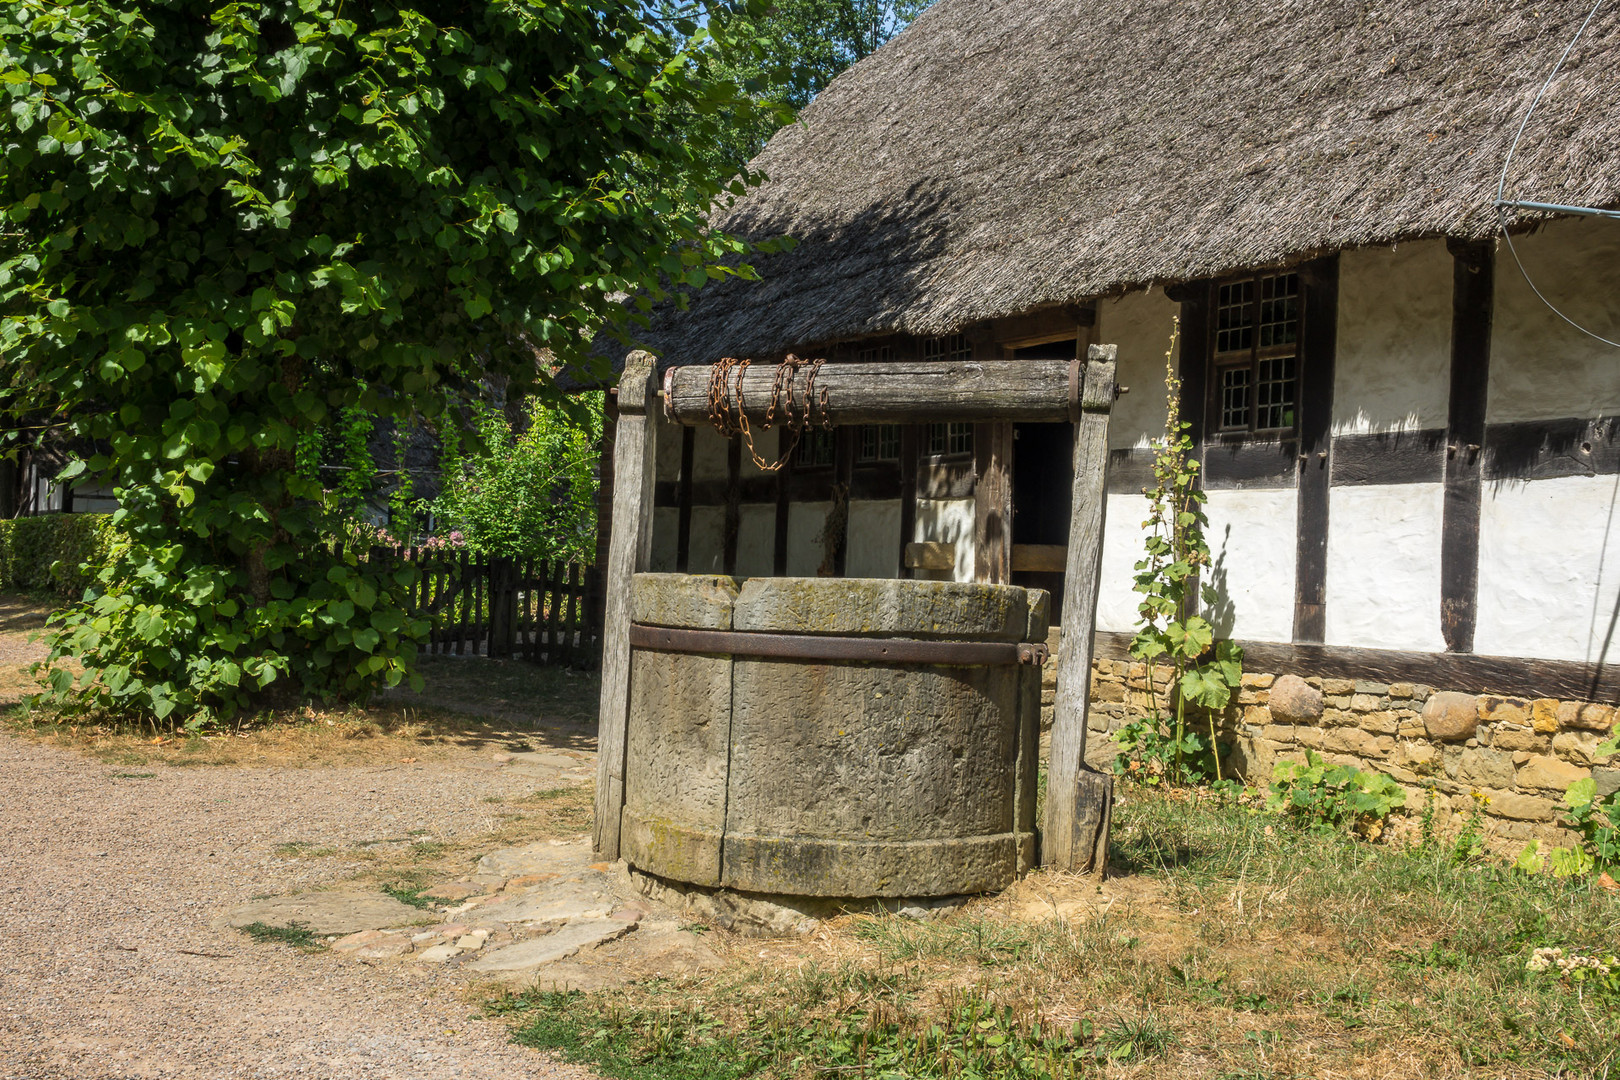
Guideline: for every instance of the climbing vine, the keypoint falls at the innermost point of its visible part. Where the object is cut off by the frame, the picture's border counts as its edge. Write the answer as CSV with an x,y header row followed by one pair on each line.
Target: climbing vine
x,y
1205,672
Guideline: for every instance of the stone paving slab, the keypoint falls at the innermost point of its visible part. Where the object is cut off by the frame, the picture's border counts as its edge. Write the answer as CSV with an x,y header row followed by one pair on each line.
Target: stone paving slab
x,y
571,938
327,912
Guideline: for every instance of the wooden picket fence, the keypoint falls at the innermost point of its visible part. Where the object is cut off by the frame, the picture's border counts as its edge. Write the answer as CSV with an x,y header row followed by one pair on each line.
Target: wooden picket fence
x,y
544,611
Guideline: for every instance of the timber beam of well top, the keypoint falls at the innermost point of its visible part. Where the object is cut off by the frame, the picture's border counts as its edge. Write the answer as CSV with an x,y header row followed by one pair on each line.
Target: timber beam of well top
x,y
1007,391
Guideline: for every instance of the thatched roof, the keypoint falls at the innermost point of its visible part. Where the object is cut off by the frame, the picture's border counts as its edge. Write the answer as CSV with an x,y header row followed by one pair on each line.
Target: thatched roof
x,y
1001,156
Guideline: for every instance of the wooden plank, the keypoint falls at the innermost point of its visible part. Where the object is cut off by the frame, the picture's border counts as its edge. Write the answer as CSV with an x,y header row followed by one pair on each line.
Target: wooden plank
x,y
571,615
1393,457
910,450
1250,464
683,534
1543,449
992,503
1040,558
553,602
929,555
733,519
1069,841
634,469
845,440
1468,673
1026,390
784,504
1473,288
1319,284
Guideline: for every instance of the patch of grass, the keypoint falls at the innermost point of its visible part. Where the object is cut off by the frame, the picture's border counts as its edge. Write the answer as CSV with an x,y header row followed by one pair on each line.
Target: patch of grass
x,y
411,894
295,934
1232,944
303,849
133,775
972,1039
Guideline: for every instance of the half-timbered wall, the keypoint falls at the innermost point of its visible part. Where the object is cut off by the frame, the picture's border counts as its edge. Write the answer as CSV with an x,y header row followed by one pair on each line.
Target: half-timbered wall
x,y
1549,535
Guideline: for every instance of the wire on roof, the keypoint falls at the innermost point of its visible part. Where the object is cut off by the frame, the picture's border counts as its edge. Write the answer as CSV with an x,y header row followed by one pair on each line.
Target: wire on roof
x,y
1504,205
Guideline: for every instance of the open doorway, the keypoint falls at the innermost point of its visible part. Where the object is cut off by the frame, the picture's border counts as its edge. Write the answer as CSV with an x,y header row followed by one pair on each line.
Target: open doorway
x,y
1042,483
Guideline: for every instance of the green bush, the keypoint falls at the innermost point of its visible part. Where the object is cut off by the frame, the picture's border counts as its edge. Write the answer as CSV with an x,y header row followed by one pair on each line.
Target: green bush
x,y
58,554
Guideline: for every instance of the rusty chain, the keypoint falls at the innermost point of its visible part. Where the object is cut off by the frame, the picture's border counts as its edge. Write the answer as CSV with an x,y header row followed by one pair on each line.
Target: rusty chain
x,y
729,417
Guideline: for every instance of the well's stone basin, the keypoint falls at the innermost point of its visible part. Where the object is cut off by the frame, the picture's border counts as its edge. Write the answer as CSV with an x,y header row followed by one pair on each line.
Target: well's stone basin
x,y
833,778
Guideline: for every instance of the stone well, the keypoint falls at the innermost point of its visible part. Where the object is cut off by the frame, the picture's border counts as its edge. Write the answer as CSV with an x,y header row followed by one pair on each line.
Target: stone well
x,y
833,778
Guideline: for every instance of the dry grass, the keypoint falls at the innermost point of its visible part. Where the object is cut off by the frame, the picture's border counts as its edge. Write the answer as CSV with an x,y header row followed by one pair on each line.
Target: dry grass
x,y
468,704
1230,946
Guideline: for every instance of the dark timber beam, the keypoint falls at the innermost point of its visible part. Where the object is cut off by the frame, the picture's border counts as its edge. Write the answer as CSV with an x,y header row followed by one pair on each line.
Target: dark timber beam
x,y
784,502
1319,283
733,503
910,450
683,505
992,503
1473,288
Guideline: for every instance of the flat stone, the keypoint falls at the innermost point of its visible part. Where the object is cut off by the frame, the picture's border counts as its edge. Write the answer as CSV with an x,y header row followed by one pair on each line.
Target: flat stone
x,y
1544,715
1584,716
1504,710
923,609
1451,716
586,895
1579,747
541,759
543,857
1607,781
1486,768
438,954
326,912
472,942
565,942
455,890
1550,774
1518,739
1521,807
1294,701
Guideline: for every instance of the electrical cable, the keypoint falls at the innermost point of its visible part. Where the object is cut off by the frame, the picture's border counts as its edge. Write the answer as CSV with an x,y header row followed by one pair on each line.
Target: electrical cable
x,y
1503,206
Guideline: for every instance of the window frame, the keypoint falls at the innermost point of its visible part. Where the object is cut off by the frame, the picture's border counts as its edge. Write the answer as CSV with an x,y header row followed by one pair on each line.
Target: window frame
x,y
1254,357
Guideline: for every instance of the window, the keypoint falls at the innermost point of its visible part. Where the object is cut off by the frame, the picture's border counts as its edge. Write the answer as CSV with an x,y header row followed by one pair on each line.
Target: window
x,y
1255,376
949,347
877,354
816,448
952,438
879,442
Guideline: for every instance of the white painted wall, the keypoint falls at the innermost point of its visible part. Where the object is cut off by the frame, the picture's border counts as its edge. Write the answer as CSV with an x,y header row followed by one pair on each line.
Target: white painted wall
x,y
1383,567
1541,367
874,539
1549,569
948,521
804,538
1392,371
756,540
1252,541
1139,323
708,553
1122,547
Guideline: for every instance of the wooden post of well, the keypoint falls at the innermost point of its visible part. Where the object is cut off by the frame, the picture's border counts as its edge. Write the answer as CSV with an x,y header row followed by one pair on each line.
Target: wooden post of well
x,y
1079,800
629,551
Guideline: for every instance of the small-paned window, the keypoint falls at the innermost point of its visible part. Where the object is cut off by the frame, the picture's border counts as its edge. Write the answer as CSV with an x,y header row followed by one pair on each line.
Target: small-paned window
x,y
948,347
879,442
875,354
952,438
815,449
1255,366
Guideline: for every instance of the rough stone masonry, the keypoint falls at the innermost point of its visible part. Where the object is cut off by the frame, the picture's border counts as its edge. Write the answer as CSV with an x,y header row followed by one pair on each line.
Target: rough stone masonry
x,y
1520,754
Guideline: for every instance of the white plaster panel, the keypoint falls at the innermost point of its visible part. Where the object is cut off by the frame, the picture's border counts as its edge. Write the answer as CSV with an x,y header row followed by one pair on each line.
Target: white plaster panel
x,y
1541,367
1383,567
756,540
805,521
709,451
1251,538
874,539
1123,539
1392,364
707,554
948,521
1549,569
1140,324
668,450
666,535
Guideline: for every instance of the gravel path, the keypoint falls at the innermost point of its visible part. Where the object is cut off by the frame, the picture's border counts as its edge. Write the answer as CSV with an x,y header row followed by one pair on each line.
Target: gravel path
x,y
105,882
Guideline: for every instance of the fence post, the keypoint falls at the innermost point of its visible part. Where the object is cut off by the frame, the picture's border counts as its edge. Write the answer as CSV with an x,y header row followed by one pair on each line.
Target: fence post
x,y
502,600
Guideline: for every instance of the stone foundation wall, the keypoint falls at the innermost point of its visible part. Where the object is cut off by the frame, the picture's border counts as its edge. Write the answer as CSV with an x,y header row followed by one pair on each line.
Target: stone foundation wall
x,y
1520,754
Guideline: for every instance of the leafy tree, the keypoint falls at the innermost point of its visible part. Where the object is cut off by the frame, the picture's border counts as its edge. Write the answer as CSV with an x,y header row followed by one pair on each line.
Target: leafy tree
x,y
227,224
802,45
529,490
